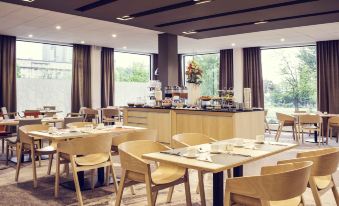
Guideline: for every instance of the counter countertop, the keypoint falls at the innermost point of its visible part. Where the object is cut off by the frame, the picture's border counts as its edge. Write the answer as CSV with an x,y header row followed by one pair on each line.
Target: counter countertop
x,y
194,110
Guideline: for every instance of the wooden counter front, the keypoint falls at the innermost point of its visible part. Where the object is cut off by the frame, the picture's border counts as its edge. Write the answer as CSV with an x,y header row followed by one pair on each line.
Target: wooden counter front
x,y
219,125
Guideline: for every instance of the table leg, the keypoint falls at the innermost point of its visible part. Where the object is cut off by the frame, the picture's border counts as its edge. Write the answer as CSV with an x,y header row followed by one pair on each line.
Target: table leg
x,y
218,189
101,175
238,171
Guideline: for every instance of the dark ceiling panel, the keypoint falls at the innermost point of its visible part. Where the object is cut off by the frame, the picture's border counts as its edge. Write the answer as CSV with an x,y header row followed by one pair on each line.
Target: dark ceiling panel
x,y
217,18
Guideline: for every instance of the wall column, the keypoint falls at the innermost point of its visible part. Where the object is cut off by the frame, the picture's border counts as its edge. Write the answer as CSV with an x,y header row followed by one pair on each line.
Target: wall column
x,y
96,76
238,73
168,59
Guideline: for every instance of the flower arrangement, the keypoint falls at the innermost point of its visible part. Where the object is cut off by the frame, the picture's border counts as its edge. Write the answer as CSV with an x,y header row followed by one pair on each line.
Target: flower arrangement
x,y
194,73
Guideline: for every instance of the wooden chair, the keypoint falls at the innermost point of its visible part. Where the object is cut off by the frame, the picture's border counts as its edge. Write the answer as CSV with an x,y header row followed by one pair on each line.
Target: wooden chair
x,y
110,115
8,115
68,120
333,123
11,143
277,185
85,154
311,123
286,121
77,114
90,115
267,126
29,143
135,168
325,163
192,139
80,124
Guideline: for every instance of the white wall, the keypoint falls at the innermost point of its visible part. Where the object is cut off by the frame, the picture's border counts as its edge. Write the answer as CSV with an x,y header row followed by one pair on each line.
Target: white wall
x,y
238,70
96,76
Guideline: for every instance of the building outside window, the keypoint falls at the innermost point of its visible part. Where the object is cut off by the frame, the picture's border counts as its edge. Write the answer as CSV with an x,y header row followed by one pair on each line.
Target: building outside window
x,y
209,63
290,80
132,76
44,75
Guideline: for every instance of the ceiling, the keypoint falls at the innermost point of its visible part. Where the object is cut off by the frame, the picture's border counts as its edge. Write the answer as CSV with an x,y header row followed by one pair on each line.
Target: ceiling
x,y
213,19
21,21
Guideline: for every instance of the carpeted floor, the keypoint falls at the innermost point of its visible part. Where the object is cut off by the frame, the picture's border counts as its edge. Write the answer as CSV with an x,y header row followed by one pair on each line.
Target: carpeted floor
x,y
23,193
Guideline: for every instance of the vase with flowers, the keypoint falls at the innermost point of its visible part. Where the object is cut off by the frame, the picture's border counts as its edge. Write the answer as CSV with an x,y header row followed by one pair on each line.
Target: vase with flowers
x,y
194,75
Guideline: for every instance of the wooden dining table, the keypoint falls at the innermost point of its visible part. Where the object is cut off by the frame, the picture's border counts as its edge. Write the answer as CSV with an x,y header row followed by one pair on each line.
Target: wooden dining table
x,y
67,134
248,152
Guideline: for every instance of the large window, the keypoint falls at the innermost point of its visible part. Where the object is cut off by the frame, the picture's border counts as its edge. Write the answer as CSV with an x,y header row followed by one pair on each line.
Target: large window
x,y
44,74
290,80
209,63
132,75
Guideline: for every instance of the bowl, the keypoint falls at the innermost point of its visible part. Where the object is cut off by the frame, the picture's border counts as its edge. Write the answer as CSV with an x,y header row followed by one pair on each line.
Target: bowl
x,y
166,105
130,104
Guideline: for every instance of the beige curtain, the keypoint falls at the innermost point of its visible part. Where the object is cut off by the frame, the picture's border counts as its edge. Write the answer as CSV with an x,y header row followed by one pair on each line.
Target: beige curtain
x,y
81,78
107,77
253,75
8,72
226,69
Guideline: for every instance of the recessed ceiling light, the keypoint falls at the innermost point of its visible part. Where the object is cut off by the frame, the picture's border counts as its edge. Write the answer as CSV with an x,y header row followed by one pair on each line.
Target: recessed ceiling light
x,y
233,44
189,32
125,18
28,1
82,42
58,27
202,1
114,35
30,35
261,22
282,39
124,47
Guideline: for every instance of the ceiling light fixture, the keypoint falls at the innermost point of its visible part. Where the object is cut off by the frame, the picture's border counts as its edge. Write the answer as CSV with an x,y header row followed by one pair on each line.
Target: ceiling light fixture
x,y
202,1
82,42
125,18
261,22
282,39
124,47
114,35
58,27
30,1
30,35
233,44
189,32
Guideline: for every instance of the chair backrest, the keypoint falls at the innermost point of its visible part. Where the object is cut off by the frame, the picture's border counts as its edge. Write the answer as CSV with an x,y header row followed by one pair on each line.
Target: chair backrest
x,y
190,139
68,120
4,113
87,145
34,113
284,117
142,134
325,161
276,183
89,111
334,120
23,122
110,112
80,124
49,107
24,130
82,109
310,119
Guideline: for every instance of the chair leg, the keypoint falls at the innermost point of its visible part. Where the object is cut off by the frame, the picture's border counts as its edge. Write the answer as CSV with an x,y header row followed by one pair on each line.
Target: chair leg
x,y
227,201
18,164
57,176
188,190
92,179
50,162
121,188
170,194
335,192
155,196
277,133
327,133
7,154
202,188
229,173
3,145
114,177
76,182
108,171
314,190
39,157
149,190
35,182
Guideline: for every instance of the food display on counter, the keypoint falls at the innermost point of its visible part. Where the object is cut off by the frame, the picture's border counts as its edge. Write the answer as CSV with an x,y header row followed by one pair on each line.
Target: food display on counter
x,y
167,103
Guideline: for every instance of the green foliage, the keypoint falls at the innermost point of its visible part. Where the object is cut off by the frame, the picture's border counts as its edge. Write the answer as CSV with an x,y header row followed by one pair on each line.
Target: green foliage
x,y
138,72
298,86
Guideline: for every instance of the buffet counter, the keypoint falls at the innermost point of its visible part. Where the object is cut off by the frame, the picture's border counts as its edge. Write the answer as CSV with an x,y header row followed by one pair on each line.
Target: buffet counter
x,y
216,124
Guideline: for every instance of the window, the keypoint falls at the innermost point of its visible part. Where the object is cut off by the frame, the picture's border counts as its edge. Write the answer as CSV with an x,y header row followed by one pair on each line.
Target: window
x,y
290,80
209,63
132,75
44,75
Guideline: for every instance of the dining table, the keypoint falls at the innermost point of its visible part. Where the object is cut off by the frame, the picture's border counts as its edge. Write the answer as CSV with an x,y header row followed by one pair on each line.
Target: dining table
x,y
231,155
66,134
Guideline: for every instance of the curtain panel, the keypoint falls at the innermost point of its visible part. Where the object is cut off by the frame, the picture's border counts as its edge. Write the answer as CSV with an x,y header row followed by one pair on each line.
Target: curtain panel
x,y
253,75
81,77
8,72
154,66
180,71
226,69
107,77
328,76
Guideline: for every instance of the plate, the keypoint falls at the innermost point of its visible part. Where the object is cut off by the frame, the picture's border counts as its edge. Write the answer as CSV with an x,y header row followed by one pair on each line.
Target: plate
x,y
190,156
